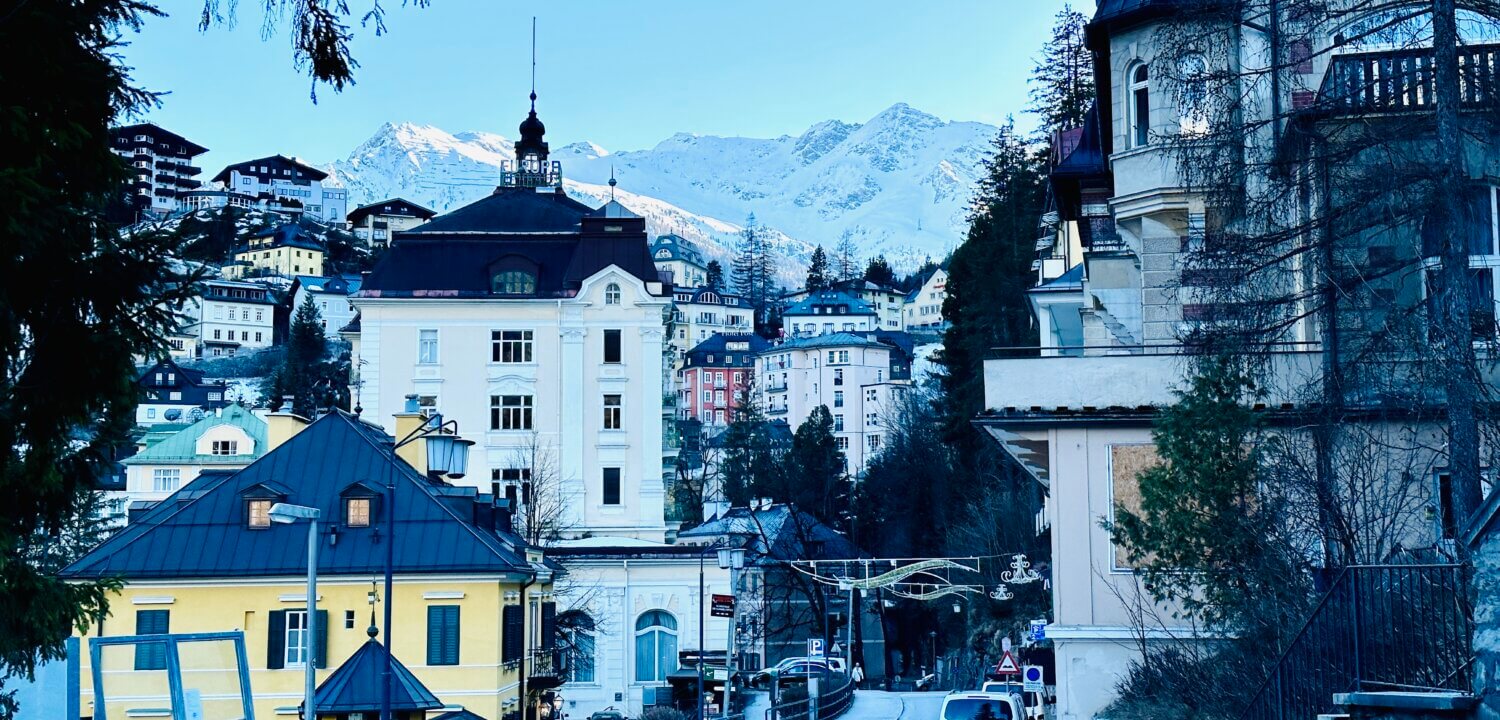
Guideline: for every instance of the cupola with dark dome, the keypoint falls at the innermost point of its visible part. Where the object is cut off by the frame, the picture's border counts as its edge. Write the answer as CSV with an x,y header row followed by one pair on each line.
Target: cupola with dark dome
x,y
532,169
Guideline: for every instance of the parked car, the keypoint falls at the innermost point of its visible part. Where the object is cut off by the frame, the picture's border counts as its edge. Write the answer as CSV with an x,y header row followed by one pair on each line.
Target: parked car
x,y
834,664
961,705
608,715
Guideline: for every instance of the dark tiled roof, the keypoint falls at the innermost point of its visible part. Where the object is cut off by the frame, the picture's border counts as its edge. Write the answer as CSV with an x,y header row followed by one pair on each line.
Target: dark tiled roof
x,y
824,298
1086,157
557,238
509,210
718,346
200,530
838,339
355,685
158,134
393,206
275,163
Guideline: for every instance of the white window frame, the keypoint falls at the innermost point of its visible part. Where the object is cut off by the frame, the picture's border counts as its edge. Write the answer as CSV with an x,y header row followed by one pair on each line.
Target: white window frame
x,y
1138,130
427,347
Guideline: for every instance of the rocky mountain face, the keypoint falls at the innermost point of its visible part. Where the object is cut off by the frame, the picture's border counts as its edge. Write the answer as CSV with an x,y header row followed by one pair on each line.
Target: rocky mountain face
x,y
899,184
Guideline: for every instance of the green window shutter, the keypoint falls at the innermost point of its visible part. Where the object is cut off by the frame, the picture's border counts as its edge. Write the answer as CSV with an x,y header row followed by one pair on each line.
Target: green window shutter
x,y
320,648
549,625
276,640
442,635
512,643
152,656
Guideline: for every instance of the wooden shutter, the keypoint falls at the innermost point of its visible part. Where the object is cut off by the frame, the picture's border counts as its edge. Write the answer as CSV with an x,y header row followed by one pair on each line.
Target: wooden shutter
x,y
320,649
549,625
512,642
152,656
276,640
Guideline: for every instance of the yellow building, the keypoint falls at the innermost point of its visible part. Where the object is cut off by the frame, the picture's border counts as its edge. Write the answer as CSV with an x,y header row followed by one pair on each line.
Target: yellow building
x,y
472,602
285,250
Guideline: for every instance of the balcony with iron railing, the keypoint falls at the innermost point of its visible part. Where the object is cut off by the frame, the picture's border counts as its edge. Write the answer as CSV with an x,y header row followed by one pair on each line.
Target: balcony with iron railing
x,y
1403,80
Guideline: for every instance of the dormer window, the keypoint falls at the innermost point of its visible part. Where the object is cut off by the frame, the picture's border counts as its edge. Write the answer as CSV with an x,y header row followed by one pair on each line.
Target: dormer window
x,y
357,512
226,447
258,513
513,282
612,294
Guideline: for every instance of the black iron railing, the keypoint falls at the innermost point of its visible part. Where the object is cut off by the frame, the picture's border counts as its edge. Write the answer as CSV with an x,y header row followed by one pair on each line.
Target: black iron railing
x,y
1380,627
1402,80
835,696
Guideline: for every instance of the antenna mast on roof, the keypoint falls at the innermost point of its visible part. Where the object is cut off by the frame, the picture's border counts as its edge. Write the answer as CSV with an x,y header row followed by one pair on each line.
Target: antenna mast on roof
x,y
533,63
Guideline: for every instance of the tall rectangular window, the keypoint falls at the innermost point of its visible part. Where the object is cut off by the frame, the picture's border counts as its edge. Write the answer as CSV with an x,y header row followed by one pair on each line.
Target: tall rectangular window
x,y
612,412
151,656
165,479
296,636
510,412
427,347
510,346
442,635
611,486
838,398
838,422
612,346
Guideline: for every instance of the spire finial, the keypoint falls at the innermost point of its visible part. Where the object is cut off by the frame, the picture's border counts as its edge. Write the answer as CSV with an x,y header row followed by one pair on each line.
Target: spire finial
x,y
533,63
612,182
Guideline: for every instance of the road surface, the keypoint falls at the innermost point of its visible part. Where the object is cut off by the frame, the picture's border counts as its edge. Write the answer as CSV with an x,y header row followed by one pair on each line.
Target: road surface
x,y
881,705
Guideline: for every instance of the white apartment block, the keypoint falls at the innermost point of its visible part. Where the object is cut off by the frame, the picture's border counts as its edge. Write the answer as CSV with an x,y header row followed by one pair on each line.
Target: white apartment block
x,y
848,374
923,307
377,222
700,313
229,317
288,185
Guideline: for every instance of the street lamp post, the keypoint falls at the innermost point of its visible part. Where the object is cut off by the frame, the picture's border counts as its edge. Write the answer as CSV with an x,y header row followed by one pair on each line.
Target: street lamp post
x,y
286,513
447,454
731,559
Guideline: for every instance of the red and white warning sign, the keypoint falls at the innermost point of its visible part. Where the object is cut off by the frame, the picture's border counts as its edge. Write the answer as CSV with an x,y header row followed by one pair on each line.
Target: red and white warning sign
x,y
1007,665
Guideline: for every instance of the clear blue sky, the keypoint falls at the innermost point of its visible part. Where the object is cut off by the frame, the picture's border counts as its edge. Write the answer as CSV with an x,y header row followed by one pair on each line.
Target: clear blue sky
x,y
622,74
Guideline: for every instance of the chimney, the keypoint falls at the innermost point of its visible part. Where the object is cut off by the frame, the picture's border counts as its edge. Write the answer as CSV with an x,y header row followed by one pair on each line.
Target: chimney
x,y
407,422
503,519
282,425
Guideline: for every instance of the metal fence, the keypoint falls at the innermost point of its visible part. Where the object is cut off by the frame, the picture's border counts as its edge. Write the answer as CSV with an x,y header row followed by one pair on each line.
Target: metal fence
x,y
833,700
1380,627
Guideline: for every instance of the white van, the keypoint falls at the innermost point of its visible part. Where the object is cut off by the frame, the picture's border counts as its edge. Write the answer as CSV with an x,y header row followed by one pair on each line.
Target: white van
x,y
971,705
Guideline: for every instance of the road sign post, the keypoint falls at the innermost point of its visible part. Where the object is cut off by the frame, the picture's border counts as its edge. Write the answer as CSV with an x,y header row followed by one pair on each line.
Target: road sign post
x,y
1031,678
815,648
1007,665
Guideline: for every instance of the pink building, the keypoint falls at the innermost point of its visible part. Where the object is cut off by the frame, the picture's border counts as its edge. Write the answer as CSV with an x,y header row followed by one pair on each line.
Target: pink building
x,y
714,374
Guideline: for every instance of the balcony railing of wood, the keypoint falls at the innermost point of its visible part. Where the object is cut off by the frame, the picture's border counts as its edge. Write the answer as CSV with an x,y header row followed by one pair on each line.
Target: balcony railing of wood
x,y
1403,80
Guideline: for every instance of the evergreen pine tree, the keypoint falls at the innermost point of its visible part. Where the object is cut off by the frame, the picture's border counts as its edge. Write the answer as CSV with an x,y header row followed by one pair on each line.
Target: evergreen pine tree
x,y
78,301
879,272
715,279
817,271
746,451
306,375
1062,82
815,478
988,276
845,259
754,268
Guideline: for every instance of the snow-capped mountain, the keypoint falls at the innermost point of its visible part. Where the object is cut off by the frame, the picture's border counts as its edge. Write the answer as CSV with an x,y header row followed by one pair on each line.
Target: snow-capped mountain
x,y
899,184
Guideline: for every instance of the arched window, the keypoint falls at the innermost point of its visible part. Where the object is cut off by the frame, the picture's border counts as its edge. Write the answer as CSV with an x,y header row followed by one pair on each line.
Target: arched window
x,y
612,294
513,282
655,646
1192,96
1140,105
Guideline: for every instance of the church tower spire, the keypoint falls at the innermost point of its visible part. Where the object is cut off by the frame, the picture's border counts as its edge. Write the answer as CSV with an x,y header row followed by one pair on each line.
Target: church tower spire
x,y
532,168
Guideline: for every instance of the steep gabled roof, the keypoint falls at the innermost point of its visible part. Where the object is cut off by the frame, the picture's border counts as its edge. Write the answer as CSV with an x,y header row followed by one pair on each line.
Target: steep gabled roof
x,y
391,206
285,235
355,685
275,163
200,531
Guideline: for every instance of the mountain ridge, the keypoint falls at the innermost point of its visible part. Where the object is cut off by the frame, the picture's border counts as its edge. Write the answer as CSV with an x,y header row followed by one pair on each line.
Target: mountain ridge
x,y
898,184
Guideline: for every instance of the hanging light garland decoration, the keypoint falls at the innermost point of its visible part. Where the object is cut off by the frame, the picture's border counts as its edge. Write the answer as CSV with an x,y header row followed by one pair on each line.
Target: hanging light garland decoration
x,y
921,578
